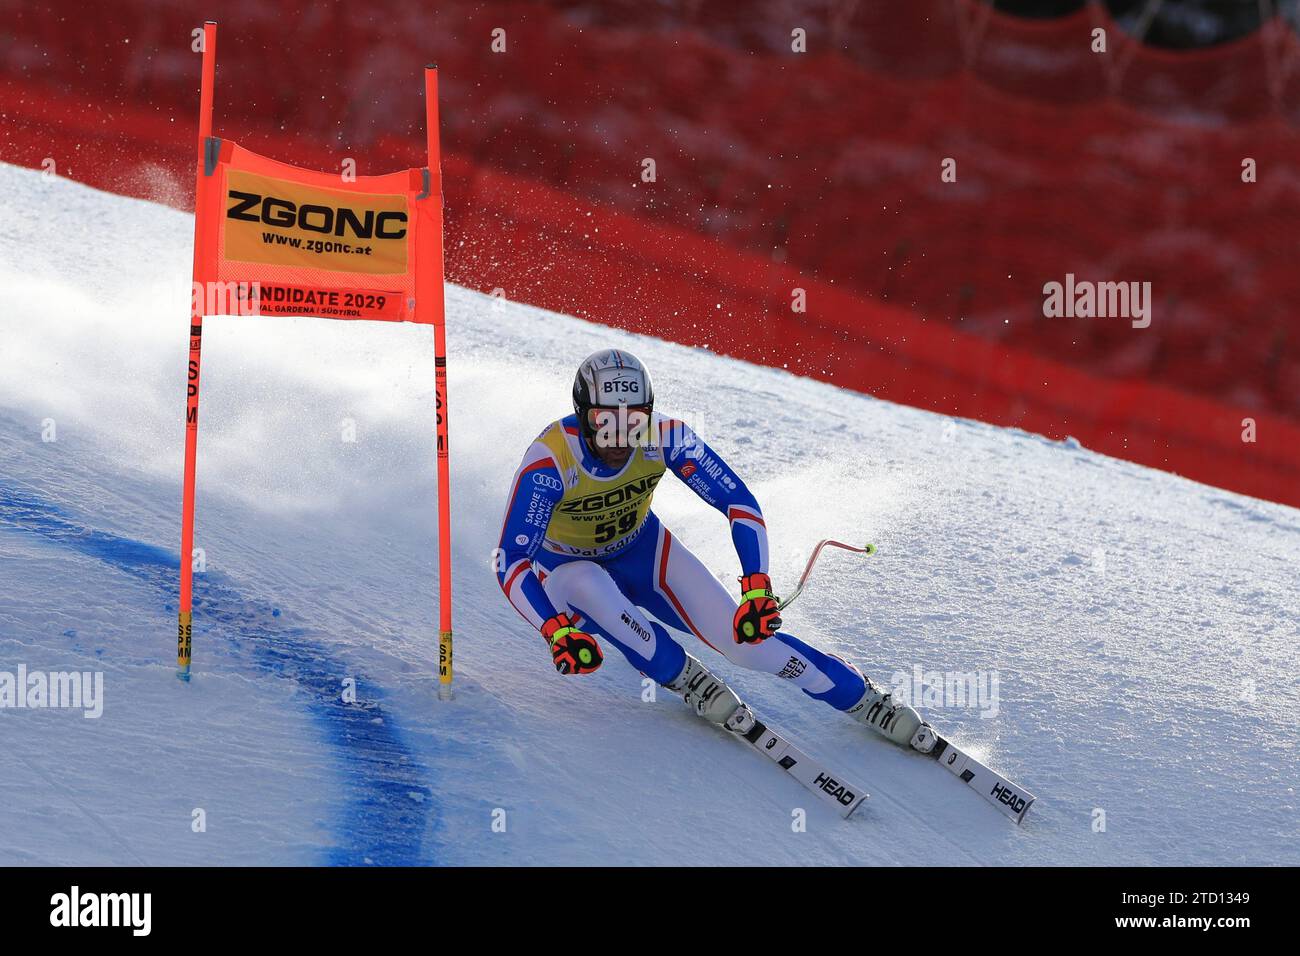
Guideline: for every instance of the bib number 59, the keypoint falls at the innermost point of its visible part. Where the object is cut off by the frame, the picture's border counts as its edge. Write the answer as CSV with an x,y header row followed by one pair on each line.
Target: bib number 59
x,y
607,530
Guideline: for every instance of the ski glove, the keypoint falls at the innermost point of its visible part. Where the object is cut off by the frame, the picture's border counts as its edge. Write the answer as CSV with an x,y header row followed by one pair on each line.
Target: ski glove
x,y
573,651
757,618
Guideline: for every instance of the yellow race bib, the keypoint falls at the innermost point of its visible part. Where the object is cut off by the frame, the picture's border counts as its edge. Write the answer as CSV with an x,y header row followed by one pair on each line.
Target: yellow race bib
x,y
599,516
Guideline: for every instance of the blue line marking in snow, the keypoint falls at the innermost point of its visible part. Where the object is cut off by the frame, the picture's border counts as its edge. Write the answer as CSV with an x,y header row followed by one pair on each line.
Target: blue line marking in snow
x,y
388,806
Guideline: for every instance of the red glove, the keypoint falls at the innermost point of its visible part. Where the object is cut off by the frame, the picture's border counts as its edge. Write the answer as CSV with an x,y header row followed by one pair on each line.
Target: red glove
x,y
573,651
757,618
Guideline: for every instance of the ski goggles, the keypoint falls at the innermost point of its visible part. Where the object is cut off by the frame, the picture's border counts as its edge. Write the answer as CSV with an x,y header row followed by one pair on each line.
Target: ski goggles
x,y
627,426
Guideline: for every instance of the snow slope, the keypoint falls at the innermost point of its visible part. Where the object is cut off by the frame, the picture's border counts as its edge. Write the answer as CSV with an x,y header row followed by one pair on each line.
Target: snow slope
x,y
1143,628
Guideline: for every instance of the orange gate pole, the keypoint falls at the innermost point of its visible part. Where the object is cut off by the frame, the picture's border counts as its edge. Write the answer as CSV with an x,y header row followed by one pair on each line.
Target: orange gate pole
x,y
440,384
197,301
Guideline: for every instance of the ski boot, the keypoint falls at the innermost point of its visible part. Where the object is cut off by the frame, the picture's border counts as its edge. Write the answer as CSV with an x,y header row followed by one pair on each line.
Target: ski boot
x,y
705,694
893,719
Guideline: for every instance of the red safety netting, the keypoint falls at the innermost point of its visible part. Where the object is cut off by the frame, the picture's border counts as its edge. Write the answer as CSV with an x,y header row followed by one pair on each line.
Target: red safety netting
x,y
818,169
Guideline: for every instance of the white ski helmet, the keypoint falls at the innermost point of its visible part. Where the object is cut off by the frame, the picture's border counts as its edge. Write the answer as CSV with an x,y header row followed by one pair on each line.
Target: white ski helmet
x,y
610,378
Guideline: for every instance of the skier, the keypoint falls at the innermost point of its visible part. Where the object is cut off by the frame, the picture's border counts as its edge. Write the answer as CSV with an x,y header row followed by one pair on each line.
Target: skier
x,y
582,555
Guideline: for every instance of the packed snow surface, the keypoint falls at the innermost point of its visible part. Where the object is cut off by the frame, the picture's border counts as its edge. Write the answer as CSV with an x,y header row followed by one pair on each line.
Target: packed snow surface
x,y
1142,629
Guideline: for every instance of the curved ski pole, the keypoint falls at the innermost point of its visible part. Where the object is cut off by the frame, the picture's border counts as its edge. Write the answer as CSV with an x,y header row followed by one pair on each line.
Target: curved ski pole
x,y
869,549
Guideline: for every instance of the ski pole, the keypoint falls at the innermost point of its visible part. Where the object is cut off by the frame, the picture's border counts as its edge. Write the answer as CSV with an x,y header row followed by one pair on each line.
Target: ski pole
x,y
870,549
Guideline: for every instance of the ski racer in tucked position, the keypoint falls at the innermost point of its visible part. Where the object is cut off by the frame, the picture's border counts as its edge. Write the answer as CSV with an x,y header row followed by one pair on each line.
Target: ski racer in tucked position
x,y
582,555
